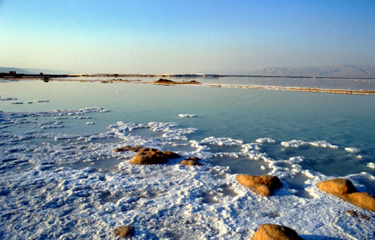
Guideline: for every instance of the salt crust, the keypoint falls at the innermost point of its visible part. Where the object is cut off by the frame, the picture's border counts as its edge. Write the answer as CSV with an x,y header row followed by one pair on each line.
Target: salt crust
x,y
161,201
183,115
352,149
299,143
265,140
371,165
221,141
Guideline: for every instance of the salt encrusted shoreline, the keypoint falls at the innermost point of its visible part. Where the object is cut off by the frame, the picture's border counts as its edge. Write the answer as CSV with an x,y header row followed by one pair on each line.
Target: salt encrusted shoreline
x,y
195,83
259,87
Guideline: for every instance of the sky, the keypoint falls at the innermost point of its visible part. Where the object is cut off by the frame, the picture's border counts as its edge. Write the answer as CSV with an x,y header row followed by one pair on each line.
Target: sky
x,y
176,36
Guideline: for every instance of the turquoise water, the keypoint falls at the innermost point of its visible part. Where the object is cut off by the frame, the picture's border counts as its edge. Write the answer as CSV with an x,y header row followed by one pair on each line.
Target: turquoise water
x,y
245,114
66,160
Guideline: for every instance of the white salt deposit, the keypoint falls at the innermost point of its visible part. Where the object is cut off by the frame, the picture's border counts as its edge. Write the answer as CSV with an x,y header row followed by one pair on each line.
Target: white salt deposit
x,y
323,144
299,143
294,143
43,196
222,141
265,140
184,115
161,127
352,149
371,165
84,117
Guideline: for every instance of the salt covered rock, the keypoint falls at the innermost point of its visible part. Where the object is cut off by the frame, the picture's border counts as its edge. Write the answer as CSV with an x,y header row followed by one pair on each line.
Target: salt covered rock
x,y
124,231
275,232
170,155
263,185
149,156
191,161
345,190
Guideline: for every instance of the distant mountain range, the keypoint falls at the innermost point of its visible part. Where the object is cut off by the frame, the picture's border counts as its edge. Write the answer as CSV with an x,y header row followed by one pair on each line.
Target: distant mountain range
x,y
33,70
332,71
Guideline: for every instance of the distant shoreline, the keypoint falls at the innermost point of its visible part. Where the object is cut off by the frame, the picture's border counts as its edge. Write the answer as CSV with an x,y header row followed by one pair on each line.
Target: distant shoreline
x,y
9,76
214,85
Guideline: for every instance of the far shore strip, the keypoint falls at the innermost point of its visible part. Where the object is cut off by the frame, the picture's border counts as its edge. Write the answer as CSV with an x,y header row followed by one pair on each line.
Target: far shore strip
x,y
193,82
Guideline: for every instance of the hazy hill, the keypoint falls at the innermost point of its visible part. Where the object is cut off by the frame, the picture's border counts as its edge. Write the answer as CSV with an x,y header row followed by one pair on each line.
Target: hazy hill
x,y
332,71
33,70
6,69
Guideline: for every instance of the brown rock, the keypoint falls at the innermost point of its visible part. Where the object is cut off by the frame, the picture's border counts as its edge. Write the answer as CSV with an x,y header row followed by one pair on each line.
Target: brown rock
x,y
190,162
263,190
275,232
345,190
361,199
124,231
164,81
337,186
263,185
149,156
193,158
128,148
136,148
118,150
171,155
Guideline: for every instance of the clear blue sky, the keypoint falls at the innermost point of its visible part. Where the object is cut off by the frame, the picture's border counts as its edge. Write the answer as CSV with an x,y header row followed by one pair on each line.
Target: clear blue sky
x,y
175,36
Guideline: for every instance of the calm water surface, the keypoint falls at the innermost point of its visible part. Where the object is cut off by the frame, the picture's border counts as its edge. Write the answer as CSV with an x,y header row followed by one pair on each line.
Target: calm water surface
x,y
65,166
245,114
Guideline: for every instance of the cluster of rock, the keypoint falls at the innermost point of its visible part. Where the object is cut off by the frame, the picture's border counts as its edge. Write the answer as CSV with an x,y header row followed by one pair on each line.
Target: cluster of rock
x,y
264,232
345,190
263,185
146,156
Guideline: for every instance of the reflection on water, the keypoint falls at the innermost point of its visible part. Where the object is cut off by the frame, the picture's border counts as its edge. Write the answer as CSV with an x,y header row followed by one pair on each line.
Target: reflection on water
x,y
325,83
242,165
343,120
369,184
